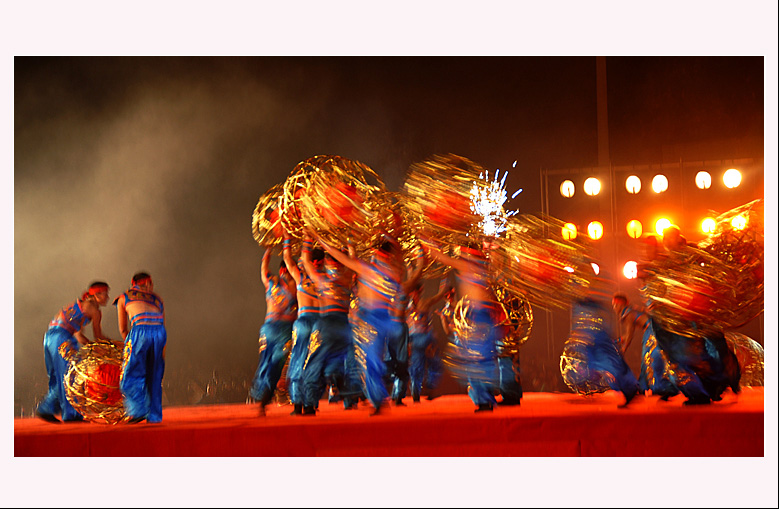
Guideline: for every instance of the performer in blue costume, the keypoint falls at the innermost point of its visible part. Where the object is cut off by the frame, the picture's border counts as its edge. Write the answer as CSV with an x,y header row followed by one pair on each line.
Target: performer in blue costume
x,y
67,327
379,286
603,353
141,314
510,384
425,367
481,341
331,337
276,333
654,374
308,315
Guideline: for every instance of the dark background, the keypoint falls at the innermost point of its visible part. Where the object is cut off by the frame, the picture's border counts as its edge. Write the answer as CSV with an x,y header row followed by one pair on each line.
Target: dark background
x,y
151,163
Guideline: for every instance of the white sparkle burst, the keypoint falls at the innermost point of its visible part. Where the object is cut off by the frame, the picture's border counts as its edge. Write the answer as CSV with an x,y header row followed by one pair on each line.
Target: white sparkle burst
x,y
487,200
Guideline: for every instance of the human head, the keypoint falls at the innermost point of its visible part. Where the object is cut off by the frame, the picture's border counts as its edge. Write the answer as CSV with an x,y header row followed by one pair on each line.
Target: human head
x,y
99,289
619,302
143,280
673,239
651,245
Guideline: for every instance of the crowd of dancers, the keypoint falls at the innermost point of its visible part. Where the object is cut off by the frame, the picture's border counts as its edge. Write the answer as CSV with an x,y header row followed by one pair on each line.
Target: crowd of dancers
x,y
349,318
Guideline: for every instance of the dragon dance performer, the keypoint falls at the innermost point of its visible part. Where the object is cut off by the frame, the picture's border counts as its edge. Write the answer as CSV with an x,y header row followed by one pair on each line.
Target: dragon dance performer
x,y
308,315
379,284
654,374
275,334
67,327
425,367
141,315
331,336
699,367
603,352
481,341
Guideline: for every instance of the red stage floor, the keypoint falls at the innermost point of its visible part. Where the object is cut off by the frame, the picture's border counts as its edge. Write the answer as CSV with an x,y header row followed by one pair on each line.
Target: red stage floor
x,y
545,425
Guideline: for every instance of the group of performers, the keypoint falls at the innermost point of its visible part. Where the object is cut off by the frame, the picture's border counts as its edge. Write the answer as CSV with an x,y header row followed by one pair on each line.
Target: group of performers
x,y
349,314
141,320
364,328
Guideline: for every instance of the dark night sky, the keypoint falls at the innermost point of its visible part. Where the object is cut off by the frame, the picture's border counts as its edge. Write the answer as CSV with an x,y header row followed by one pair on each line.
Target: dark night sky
x,y
124,164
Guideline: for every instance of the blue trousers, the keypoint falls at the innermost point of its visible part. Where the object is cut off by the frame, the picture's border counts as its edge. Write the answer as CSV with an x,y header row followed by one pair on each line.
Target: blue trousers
x,y
510,385
604,357
424,364
56,400
142,371
301,334
274,336
655,374
326,359
384,352
688,362
482,365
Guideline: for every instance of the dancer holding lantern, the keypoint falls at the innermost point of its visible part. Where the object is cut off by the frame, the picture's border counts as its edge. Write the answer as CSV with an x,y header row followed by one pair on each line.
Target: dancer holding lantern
x,y
379,285
276,332
331,337
308,315
482,336
67,327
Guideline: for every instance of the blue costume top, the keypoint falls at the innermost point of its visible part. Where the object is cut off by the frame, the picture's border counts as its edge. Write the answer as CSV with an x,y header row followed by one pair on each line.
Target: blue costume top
x,y
135,294
285,303
71,318
333,290
384,284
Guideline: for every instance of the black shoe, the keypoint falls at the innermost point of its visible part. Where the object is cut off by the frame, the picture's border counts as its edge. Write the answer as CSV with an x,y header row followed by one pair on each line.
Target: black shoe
x,y
309,410
415,398
628,398
297,411
509,402
484,407
136,420
47,417
431,397
399,402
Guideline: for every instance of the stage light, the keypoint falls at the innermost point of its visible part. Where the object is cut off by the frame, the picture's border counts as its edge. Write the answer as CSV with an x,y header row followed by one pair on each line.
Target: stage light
x,y
595,230
732,178
635,228
661,225
703,180
569,231
630,270
595,268
708,225
592,186
739,222
659,183
567,188
633,184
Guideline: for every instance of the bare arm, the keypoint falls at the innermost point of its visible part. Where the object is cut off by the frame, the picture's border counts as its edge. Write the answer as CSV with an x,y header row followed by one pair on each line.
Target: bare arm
x,y
436,254
97,329
350,263
416,271
291,265
308,265
264,267
430,302
121,313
